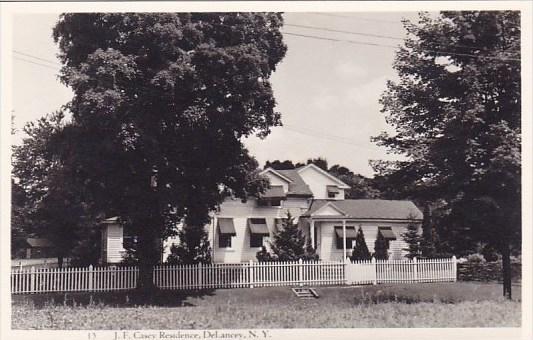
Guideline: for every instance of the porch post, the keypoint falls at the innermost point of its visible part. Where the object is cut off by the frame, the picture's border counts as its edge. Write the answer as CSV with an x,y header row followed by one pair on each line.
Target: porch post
x,y
344,238
312,232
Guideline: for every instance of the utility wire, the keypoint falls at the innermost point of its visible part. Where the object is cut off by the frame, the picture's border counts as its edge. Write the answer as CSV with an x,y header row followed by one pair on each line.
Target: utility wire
x,y
38,58
333,138
354,17
326,29
392,46
37,63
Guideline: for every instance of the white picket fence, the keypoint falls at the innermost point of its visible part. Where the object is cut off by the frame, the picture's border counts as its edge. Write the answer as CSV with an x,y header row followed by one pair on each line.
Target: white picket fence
x,y
401,271
250,274
45,280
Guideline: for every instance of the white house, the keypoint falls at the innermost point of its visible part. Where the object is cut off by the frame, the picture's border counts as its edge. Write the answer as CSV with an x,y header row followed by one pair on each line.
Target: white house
x,y
316,200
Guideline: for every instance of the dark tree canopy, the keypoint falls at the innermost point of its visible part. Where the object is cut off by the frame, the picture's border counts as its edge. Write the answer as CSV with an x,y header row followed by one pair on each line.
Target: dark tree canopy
x,y
161,102
46,202
456,111
279,165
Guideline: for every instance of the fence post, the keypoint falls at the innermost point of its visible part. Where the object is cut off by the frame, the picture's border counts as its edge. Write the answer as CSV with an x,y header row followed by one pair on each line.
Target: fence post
x,y
90,277
32,280
300,272
415,264
454,268
200,275
375,268
251,274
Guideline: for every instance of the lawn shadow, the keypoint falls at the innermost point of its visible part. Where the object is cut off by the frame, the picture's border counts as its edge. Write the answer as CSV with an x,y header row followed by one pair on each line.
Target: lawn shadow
x,y
118,299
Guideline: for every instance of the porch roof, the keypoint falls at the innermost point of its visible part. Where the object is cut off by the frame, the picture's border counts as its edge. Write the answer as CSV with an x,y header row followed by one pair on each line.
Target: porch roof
x,y
369,209
36,242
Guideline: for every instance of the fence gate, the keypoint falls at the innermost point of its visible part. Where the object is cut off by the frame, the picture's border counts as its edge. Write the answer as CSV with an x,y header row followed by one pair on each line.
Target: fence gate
x,y
361,272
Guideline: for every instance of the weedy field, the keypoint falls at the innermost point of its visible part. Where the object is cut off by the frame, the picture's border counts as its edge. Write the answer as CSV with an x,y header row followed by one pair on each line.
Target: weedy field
x,y
458,304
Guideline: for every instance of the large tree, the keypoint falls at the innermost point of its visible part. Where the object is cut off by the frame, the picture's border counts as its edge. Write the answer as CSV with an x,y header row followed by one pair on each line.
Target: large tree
x,y
46,202
161,103
456,111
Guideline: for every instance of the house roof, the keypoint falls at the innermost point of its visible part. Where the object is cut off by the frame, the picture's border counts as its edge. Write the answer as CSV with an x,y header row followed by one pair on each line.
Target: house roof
x,y
39,242
275,191
113,219
297,187
370,209
340,183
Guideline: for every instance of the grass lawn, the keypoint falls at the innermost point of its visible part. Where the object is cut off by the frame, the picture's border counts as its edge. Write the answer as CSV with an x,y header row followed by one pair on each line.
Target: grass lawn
x,y
461,304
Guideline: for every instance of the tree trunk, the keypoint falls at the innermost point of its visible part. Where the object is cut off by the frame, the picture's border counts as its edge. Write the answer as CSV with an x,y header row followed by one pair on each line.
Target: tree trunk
x,y
506,269
60,261
148,255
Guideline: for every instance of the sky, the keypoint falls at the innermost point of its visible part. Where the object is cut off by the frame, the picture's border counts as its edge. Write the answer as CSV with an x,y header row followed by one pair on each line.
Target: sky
x,y
326,91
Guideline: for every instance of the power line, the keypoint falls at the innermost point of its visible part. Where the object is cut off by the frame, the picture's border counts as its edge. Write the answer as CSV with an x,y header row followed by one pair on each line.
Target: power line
x,y
392,46
327,29
36,63
38,58
354,17
333,138
347,32
338,40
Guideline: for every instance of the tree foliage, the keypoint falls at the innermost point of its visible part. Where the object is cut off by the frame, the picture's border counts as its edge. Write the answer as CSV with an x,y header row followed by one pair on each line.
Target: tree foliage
x,y
47,203
413,239
161,102
360,251
193,247
280,165
289,243
456,111
381,248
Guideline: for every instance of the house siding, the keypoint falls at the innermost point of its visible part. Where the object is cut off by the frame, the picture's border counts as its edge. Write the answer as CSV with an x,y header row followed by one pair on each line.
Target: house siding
x,y
114,247
327,242
276,180
240,213
318,183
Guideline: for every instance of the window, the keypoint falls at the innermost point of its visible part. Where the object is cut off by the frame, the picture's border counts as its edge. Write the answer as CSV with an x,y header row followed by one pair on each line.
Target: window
x,y
275,202
387,233
332,191
258,230
226,230
256,240
129,240
224,240
269,202
350,237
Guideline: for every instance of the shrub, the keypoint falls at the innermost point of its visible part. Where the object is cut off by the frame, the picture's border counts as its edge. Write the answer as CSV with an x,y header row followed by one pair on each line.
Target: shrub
x,y
381,247
360,251
475,258
264,256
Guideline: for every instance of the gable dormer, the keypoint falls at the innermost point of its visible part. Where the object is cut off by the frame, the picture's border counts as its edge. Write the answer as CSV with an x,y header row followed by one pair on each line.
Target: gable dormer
x,y
277,179
322,184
